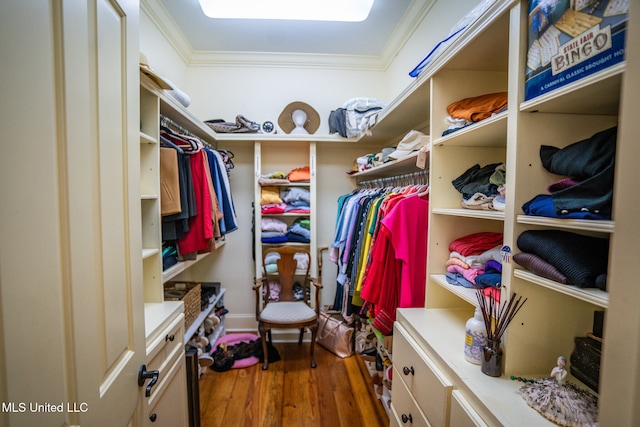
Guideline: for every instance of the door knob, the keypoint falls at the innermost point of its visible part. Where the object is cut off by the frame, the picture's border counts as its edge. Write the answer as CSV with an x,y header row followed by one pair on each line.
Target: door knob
x,y
406,370
143,375
407,418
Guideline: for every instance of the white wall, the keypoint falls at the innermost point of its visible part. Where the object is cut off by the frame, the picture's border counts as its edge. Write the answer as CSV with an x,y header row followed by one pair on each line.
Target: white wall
x,y
260,93
162,57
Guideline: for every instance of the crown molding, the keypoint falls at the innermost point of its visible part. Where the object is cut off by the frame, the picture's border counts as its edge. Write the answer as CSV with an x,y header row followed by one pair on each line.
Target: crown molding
x,y
286,60
161,18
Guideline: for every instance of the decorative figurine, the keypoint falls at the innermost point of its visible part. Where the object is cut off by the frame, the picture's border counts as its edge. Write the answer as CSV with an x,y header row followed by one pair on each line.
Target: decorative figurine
x,y
560,401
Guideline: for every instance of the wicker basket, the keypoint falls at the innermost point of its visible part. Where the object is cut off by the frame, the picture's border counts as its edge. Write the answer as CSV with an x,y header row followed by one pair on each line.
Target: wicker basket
x,y
189,294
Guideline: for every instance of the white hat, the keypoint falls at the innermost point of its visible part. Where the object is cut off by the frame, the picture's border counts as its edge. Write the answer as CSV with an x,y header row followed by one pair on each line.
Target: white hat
x,y
146,69
412,141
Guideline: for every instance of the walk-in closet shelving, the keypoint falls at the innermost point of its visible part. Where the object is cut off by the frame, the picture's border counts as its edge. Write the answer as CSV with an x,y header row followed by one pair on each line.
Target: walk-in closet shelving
x,y
491,57
158,108
283,154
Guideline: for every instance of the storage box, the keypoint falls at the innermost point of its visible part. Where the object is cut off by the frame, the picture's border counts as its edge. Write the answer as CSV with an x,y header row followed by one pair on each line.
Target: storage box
x,y
572,39
189,294
585,361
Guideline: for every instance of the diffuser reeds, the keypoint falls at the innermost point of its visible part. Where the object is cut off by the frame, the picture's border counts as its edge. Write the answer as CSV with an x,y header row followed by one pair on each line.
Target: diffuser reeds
x,y
498,315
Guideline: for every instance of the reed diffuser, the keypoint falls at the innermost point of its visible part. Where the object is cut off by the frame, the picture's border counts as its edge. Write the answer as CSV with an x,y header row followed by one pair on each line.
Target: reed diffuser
x,y
496,316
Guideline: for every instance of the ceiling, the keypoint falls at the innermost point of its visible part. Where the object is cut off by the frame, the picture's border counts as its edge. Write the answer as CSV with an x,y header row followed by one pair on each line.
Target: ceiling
x,y
388,25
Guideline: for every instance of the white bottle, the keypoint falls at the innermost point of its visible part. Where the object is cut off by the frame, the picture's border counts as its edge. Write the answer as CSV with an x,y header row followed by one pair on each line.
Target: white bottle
x,y
475,337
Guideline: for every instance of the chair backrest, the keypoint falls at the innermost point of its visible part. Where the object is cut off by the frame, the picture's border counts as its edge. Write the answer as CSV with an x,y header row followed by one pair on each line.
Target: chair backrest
x,y
288,268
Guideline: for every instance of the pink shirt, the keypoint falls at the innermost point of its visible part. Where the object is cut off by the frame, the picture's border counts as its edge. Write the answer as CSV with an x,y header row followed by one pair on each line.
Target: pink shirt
x,y
407,226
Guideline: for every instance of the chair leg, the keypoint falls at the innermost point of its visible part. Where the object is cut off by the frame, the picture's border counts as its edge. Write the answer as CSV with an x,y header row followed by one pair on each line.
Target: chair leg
x,y
301,336
263,336
314,331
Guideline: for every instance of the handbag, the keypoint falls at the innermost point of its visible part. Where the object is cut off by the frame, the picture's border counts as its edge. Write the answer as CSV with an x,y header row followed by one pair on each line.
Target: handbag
x,y
335,334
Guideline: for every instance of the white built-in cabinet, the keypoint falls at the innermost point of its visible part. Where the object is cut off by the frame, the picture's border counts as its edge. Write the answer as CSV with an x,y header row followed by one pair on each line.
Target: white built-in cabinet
x,y
433,384
165,329
164,321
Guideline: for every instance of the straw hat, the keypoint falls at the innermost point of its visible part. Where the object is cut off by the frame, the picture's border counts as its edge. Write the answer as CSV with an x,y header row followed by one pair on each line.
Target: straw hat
x,y
286,122
146,69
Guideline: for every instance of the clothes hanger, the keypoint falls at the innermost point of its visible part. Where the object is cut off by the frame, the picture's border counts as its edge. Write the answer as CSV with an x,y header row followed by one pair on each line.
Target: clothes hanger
x,y
165,141
188,144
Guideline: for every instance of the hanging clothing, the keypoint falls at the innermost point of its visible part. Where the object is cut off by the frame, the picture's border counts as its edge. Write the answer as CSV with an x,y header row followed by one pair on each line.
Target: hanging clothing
x,y
199,205
200,225
380,246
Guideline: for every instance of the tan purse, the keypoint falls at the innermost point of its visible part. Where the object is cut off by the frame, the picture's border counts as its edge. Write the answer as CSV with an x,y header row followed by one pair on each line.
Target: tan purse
x,y
335,334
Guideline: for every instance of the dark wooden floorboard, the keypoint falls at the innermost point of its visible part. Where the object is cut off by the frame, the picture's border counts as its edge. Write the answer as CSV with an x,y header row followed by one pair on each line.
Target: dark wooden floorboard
x,y
290,393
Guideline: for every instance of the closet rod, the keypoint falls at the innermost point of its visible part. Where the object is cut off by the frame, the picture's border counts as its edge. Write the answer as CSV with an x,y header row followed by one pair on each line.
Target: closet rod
x,y
413,178
168,123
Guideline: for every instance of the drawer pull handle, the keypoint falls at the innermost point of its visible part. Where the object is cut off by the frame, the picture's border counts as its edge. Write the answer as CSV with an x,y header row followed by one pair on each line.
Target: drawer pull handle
x,y
153,417
143,375
408,371
169,338
407,418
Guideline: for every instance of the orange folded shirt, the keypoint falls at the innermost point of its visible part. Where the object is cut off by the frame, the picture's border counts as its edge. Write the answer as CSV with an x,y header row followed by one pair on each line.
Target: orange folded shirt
x,y
478,108
300,174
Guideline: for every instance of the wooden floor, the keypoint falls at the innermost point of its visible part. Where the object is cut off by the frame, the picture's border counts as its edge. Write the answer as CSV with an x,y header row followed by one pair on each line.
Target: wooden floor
x,y
338,392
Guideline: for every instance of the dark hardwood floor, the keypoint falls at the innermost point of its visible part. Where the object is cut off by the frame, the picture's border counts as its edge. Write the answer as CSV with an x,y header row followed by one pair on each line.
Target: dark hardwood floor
x,y
338,392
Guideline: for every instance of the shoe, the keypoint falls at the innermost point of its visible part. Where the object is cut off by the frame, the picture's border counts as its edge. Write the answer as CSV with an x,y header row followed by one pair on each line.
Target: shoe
x,y
205,360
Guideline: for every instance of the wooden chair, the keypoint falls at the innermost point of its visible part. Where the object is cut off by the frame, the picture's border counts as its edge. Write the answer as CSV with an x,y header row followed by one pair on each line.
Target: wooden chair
x,y
283,296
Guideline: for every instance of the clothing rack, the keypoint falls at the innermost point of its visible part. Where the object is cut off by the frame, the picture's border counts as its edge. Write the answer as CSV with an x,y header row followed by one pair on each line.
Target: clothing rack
x,y
170,124
413,178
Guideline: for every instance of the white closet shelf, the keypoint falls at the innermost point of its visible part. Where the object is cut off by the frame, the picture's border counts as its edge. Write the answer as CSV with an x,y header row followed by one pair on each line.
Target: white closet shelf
x,y
291,184
575,224
389,168
193,328
286,244
595,94
490,132
149,197
181,266
146,253
466,294
147,139
470,213
283,137
591,295
287,214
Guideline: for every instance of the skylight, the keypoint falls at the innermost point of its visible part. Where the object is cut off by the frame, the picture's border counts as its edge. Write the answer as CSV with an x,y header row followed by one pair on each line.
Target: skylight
x,y
306,10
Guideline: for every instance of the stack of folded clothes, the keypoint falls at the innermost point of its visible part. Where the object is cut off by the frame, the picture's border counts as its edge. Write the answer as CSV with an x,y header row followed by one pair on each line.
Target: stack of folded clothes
x,y
276,231
299,231
482,188
586,192
475,261
565,257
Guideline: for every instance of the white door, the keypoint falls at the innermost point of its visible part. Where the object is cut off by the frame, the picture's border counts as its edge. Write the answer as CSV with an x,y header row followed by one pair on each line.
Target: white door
x,y
71,296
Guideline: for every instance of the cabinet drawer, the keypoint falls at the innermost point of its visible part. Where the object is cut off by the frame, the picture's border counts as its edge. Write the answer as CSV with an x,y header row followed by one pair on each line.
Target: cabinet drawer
x,y
167,406
404,409
165,344
430,387
462,413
